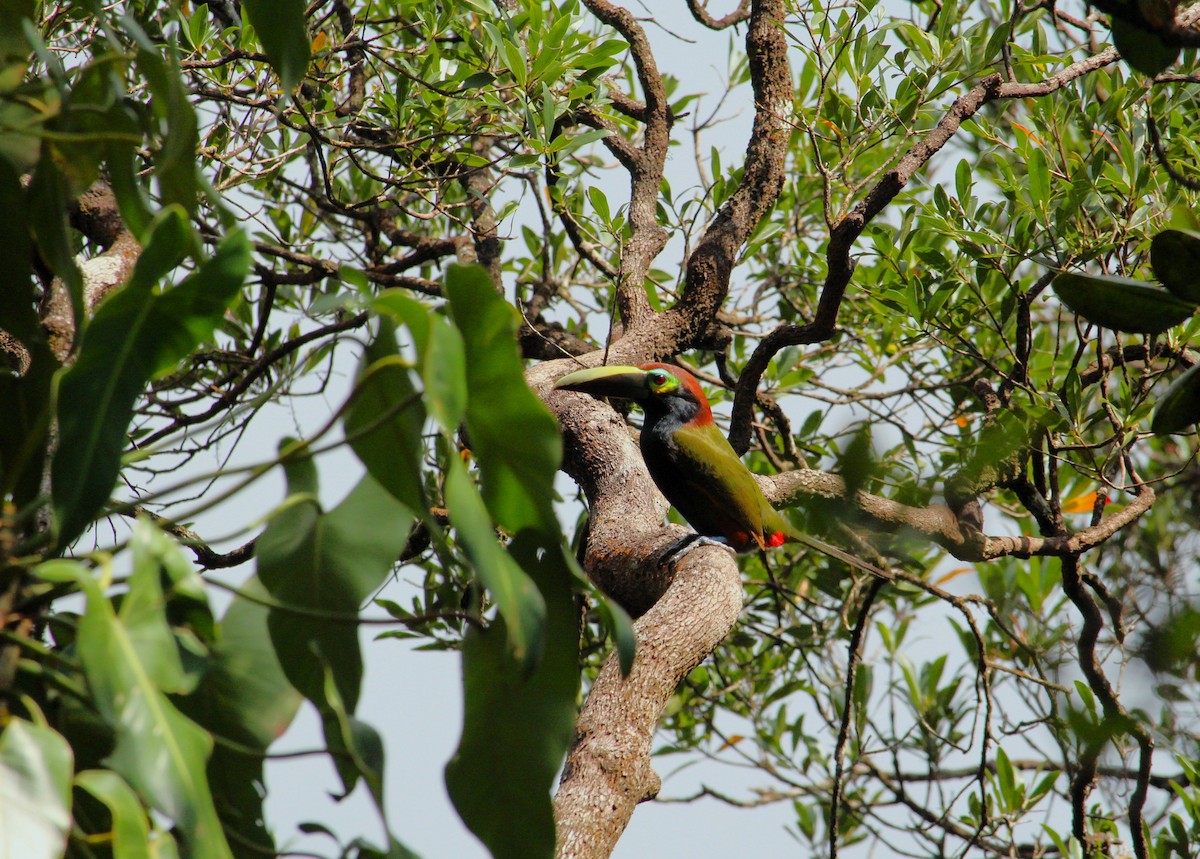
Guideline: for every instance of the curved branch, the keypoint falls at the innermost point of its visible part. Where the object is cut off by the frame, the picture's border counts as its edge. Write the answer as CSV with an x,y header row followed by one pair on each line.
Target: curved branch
x,y
840,266
701,14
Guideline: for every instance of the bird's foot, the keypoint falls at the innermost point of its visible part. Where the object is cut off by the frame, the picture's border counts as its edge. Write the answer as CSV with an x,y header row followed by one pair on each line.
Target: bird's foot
x,y
679,549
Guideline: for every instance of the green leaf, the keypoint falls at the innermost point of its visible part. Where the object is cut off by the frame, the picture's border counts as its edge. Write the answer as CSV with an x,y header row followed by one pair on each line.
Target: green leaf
x,y
385,420
143,608
1121,304
444,371
159,751
1039,178
130,829
280,27
244,697
327,563
1179,409
175,161
620,626
517,724
1141,48
1175,258
136,334
35,791
516,596
514,435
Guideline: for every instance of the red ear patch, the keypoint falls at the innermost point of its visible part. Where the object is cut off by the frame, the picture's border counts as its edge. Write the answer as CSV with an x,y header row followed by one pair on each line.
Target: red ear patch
x,y
776,539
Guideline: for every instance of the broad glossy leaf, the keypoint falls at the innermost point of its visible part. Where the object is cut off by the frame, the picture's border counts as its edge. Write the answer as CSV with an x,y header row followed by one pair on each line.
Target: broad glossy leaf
x,y
135,335
385,420
280,27
1175,258
514,435
1141,48
444,371
244,697
130,829
157,561
327,562
1122,304
516,596
175,161
518,723
35,791
1179,409
159,751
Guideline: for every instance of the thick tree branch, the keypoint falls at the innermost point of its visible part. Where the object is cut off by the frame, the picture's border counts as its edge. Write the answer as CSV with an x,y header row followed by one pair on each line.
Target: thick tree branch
x,y
938,522
645,166
711,263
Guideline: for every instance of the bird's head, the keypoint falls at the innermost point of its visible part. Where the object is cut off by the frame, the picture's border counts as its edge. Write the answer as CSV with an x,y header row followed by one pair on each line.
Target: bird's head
x,y
659,388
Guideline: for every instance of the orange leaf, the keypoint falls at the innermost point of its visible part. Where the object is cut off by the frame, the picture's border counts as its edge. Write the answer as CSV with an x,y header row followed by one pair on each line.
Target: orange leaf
x,y
1033,138
319,41
1081,503
953,574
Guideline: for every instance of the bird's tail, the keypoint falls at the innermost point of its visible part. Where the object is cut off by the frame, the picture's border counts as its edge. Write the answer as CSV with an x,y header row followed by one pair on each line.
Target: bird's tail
x,y
840,555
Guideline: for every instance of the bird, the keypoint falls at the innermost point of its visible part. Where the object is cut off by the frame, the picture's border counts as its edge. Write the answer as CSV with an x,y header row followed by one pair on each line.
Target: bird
x,y
694,465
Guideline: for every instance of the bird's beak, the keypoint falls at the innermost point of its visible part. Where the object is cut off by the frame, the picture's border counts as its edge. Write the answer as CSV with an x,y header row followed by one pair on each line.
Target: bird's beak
x,y
610,381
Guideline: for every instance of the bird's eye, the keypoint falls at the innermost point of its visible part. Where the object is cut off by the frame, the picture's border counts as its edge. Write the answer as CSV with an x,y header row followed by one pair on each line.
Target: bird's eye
x,y
657,377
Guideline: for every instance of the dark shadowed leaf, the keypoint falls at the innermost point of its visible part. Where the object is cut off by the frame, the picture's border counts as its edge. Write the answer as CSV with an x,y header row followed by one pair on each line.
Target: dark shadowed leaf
x,y
244,697
1179,409
1175,258
1122,304
135,335
517,724
1141,48
35,791
385,420
327,563
280,27
514,591
515,437
159,751
620,627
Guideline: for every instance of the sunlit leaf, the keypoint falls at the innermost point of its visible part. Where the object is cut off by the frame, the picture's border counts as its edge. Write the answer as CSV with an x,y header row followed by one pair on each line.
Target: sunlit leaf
x,y
159,751
35,791
385,420
516,596
512,431
130,828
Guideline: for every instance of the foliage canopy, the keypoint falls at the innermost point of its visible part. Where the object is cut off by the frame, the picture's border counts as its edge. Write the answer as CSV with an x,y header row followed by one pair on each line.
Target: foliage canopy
x,y
944,289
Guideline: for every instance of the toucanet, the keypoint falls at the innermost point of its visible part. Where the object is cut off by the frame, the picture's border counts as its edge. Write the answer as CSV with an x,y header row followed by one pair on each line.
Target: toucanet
x,y
692,462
